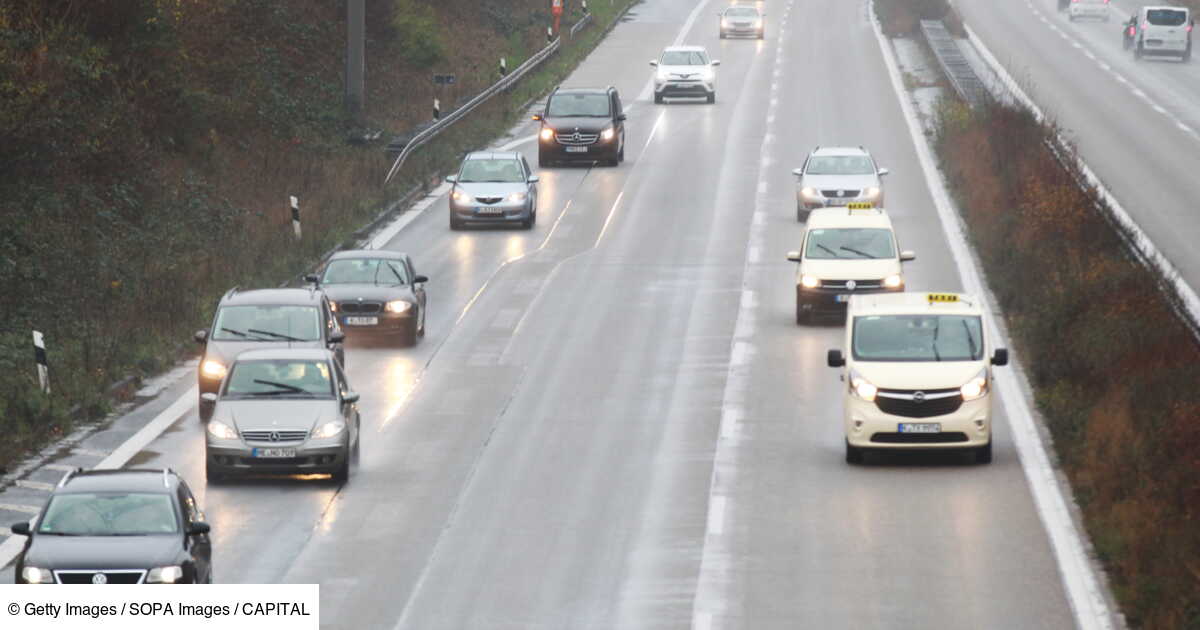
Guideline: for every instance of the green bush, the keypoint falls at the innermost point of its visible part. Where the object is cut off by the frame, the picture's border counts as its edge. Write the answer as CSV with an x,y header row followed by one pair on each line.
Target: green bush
x,y
416,28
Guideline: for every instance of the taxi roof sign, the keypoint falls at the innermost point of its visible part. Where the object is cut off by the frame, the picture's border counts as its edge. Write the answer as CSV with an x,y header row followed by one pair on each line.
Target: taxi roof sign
x,y
942,297
860,205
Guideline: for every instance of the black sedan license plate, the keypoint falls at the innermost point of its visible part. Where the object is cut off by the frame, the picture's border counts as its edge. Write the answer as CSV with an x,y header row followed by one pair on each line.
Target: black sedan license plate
x,y
576,149
920,427
276,453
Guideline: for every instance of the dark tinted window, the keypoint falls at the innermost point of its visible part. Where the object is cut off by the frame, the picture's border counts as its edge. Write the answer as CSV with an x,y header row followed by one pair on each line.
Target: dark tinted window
x,y
1166,17
268,323
578,105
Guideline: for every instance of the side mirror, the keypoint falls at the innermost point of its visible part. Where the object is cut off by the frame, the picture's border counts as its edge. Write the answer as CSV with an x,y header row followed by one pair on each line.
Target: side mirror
x,y
621,116
654,63
793,256
533,179
534,117
1000,357
835,359
337,336
197,528
883,171
201,336
209,397
798,172
420,279
716,62
451,178
312,278
906,256
350,398
20,529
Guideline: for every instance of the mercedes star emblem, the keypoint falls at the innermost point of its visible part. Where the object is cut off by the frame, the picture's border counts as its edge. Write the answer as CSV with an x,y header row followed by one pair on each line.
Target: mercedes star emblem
x,y
274,436
99,578
919,397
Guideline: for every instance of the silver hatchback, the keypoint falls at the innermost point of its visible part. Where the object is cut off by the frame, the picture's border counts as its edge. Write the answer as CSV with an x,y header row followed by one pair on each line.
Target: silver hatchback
x,y
838,176
493,188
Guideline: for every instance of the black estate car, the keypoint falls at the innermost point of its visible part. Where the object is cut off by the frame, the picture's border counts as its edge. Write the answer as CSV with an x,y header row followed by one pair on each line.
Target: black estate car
x,y
131,526
582,124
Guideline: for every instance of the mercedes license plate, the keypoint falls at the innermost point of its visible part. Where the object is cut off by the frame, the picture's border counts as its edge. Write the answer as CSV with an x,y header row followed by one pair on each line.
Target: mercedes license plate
x,y
273,452
362,321
920,427
576,149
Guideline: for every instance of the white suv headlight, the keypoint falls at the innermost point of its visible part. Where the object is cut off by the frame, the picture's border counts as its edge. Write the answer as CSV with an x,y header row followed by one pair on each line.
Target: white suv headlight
x,y
975,388
35,575
164,575
220,430
862,388
329,429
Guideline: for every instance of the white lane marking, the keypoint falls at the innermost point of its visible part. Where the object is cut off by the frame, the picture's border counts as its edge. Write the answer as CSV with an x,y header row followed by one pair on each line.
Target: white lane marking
x,y
148,433
611,212
716,516
1081,584
59,467
1158,108
90,452
17,507
1183,127
35,485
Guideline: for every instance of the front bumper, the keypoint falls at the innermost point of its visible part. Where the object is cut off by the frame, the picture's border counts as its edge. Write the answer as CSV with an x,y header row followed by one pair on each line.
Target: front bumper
x,y
1099,12
813,202
599,150
867,427
736,30
386,323
684,88
233,457
502,212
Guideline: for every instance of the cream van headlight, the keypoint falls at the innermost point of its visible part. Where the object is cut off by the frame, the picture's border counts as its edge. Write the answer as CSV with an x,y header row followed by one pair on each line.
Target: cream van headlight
x,y
975,388
862,388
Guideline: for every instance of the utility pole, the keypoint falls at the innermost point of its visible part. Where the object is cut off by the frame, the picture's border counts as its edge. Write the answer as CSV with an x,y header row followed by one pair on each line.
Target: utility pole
x,y
356,26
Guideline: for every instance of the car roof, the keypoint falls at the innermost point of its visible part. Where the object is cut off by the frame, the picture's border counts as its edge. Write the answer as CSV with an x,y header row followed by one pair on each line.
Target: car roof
x,y
274,354
125,480
824,218
294,296
685,49
914,303
368,253
492,155
840,151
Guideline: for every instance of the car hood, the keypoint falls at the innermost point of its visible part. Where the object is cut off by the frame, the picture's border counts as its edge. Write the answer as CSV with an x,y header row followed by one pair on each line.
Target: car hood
x,y
845,269
285,414
583,124
491,189
840,182
225,351
923,375
103,552
367,292
686,72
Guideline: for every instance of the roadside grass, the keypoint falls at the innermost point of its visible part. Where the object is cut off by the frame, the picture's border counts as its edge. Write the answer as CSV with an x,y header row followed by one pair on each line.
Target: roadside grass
x,y
117,240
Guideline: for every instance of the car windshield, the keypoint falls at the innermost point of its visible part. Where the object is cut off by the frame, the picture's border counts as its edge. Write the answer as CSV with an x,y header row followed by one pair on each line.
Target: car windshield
x,y
506,170
684,58
365,271
567,104
279,378
267,323
850,243
918,338
1166,17
840,165
109,514
742,12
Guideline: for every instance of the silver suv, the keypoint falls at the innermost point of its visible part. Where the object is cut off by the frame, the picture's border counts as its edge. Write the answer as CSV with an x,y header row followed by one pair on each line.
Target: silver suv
x,y
836,176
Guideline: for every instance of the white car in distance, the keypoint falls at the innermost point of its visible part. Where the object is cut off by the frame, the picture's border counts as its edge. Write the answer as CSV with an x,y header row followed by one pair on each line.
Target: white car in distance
x,y
685,71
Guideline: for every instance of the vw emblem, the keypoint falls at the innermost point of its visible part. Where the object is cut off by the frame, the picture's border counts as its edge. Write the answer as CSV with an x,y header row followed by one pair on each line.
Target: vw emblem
x,y
275,434
851,285
843,193
918,397
99,578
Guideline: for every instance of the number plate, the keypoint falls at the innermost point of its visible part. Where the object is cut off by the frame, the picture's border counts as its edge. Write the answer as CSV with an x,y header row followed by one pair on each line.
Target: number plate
x,y
841,299
362,321
489,210
576,149
920,427
273,452
837,202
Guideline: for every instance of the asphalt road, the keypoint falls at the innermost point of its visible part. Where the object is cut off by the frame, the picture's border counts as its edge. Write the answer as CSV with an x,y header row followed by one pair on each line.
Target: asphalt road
x,y
544,458
1134,122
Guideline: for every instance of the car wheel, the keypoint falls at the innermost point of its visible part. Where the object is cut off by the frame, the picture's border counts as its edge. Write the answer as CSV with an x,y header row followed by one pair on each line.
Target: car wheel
x,y
801,213
712,98
854,454
408,338
421,327
621,153
342,474
211,476
760,35
1137,52
543,161
723,35
204,410
455,224
802,316
658,99
615,160
983,454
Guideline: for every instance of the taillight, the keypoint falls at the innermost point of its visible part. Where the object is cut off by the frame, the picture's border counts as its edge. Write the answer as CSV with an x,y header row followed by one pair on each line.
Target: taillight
x,y
1189,28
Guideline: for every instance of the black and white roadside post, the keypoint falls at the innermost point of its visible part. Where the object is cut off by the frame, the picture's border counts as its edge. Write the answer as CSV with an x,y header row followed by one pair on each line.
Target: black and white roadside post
x,y
437,109
503,67
295,205
584,5
39,357
549,34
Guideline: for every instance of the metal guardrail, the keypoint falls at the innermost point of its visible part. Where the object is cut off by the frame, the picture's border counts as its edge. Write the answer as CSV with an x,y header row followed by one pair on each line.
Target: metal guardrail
x,y
578,26
429,133
956,67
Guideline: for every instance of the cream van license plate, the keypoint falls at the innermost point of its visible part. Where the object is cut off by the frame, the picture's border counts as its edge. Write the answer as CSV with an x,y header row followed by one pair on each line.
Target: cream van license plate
x,y
920,427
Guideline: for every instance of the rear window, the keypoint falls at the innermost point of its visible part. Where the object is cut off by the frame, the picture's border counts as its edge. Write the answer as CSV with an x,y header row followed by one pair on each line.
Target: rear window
x,y
1166,17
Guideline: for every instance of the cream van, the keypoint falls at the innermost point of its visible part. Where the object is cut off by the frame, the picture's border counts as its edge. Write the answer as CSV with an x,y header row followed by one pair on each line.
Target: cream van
x,y
917,374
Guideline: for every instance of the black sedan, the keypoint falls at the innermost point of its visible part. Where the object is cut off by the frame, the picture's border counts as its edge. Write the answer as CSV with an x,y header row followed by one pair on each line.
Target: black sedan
x,y
376,292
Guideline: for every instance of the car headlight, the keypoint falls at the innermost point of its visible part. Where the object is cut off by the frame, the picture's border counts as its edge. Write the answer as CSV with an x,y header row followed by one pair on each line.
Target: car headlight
x,y
329,429
894,281
213,369
809,193
809,282
165,575
399,306
607,134
35,575
862,388
547,133
333,306
518,197
975,388
221,431
460,196
724,23
871,191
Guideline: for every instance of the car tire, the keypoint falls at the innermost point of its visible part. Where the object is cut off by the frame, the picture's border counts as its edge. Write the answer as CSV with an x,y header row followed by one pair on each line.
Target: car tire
x,y
1137,51
1187,55
543,161
615,160
408,338
802,317
658,99
621,153
455,224
204,410
801,213
712,98
723,35
760,35
983,454
854,454
342,474
211,476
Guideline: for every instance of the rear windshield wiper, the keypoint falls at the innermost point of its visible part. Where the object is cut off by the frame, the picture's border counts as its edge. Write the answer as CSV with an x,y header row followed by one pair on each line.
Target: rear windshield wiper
x,y
274,334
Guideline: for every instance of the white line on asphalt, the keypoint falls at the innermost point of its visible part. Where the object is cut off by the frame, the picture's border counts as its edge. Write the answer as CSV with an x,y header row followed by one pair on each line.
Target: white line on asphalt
x,y
611,212
17,507
90,452
35,485
148,433
716,516
59,467
1081,584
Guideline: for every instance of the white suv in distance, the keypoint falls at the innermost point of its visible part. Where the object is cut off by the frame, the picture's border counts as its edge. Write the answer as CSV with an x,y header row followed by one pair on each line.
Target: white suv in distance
x,y
685,71
837,176
1095,9
1164,31
917,374
845,252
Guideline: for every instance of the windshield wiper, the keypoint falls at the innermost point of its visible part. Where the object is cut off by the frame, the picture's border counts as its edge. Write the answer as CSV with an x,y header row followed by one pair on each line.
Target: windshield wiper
x,y
936,327
970,337
282,387
234,332
835,254
274,334
855,251
60,534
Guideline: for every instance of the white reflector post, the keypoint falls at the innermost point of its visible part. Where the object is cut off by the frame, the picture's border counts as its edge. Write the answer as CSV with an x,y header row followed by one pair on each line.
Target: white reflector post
x,y
437,109
295,205
39,357
503,67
